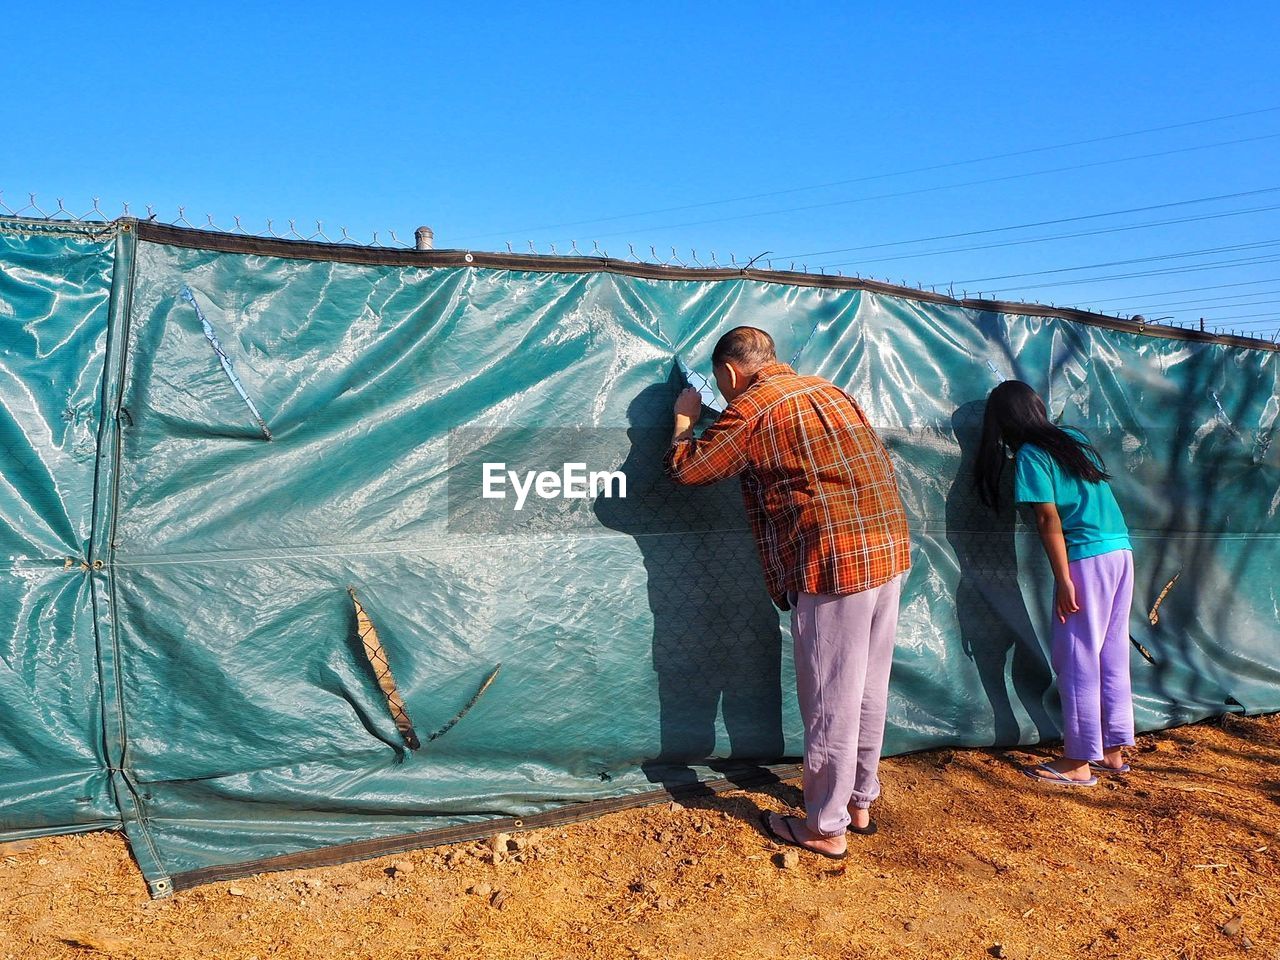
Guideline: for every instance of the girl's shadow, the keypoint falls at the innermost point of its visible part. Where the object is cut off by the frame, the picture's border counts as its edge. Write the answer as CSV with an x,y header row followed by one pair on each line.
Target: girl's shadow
x,y
990,608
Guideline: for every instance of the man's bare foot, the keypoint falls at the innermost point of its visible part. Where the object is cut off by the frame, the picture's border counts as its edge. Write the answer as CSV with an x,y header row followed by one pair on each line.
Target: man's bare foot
x,y
1077,770
794,831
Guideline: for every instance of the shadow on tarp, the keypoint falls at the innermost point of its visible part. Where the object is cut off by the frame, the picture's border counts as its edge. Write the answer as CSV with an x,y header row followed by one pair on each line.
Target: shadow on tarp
x,y
716,645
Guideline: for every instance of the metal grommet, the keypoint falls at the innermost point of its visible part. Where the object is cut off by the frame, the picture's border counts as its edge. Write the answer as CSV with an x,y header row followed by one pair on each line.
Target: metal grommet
x,y
97,564
517,823
469,258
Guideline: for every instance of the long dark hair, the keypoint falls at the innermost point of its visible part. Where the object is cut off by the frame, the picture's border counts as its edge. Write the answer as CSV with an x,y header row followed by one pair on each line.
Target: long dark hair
x,y
1016,415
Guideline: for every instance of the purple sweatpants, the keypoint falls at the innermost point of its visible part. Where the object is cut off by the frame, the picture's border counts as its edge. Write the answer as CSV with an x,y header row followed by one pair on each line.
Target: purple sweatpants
x,y
843,652
1091,657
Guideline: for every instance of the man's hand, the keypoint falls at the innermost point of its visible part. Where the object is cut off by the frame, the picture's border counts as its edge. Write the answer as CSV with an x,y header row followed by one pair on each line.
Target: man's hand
x,y
1066,600
689,404
688,409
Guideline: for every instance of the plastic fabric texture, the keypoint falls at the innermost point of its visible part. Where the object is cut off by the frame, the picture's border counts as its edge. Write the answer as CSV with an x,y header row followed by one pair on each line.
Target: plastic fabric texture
x,y
55,290
221,663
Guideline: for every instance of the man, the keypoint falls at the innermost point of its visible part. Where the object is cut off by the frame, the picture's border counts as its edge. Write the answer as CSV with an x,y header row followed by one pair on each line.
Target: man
x,y
823,502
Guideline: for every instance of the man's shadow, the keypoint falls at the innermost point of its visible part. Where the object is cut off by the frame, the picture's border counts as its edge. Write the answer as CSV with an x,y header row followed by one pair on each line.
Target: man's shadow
x,y
990,608
716,638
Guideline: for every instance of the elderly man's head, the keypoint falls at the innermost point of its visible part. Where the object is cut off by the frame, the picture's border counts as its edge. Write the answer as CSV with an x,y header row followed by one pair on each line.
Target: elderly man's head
x,y
737,358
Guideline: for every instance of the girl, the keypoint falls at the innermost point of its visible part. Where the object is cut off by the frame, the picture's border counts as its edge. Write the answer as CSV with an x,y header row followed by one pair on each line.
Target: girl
x,y
1062,476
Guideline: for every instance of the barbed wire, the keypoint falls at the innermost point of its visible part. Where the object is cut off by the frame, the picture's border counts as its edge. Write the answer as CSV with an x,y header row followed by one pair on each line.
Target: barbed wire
x,y
33,210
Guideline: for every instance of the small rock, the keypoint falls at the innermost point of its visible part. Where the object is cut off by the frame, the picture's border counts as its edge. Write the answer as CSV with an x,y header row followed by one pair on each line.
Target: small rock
x,y
236,891
454,858
480,889
996,950
704,828
909,926
499,899
402,866
662,836
498,843
664,904
584,929
42,862
1245,942
1112,934
789,859
675,807
313,883
1232,926
519,842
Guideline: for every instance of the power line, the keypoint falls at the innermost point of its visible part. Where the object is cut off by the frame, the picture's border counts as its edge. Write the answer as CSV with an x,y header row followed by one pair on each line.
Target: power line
x,y
1166,293
1036,223
1273,315
1120,263
949,186
1143,273
877,176
1200,304
1059,236
1252,323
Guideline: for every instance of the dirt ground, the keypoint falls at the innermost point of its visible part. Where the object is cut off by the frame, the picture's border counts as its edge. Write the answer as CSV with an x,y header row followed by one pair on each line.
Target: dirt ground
x,y
1180,858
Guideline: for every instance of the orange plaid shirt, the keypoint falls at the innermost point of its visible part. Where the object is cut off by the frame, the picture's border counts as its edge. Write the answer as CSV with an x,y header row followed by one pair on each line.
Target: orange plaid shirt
x,y
820,490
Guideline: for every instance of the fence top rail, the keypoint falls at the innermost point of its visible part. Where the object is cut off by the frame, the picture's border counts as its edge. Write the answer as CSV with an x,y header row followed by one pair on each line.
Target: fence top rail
x,y
298,248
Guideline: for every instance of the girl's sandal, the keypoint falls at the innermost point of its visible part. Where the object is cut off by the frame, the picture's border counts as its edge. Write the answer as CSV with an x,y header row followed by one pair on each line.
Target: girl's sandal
x,y
791,840
1046,774
1103,768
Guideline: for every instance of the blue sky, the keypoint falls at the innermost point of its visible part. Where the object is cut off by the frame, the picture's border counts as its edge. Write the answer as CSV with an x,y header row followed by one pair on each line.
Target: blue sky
x,y
647,124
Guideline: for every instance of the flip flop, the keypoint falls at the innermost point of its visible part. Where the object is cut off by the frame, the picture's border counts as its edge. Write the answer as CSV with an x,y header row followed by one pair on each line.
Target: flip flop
x,y
791,841
1103,768
1055,778
866,831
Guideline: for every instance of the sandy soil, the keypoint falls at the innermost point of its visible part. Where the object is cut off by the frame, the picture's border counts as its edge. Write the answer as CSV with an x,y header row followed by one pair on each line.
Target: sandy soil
x,y
1180,858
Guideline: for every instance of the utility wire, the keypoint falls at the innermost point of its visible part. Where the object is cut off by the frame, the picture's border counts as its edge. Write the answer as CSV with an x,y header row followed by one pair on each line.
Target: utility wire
x,y
1167,293
1200,304
1025,226
1120,263
1058,236
1143,273
948,186
876,176
1272,314
1252,323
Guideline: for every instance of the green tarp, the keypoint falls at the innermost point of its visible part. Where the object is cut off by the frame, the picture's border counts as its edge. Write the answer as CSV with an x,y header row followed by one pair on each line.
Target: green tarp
x,y
179,655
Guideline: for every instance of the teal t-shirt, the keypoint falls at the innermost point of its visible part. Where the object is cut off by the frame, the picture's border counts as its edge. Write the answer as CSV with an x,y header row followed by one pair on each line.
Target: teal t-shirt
x,y
1091,520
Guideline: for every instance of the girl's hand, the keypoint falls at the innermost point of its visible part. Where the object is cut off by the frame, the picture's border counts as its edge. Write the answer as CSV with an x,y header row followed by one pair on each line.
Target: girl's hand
x,y
1066,600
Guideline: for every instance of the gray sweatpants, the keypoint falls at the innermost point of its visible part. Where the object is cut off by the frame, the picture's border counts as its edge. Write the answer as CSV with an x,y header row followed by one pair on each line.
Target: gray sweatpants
x,y
843,652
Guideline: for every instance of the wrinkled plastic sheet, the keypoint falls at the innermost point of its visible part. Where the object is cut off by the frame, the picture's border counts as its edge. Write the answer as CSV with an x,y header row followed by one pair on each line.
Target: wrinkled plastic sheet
x,y
55,289
636,643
